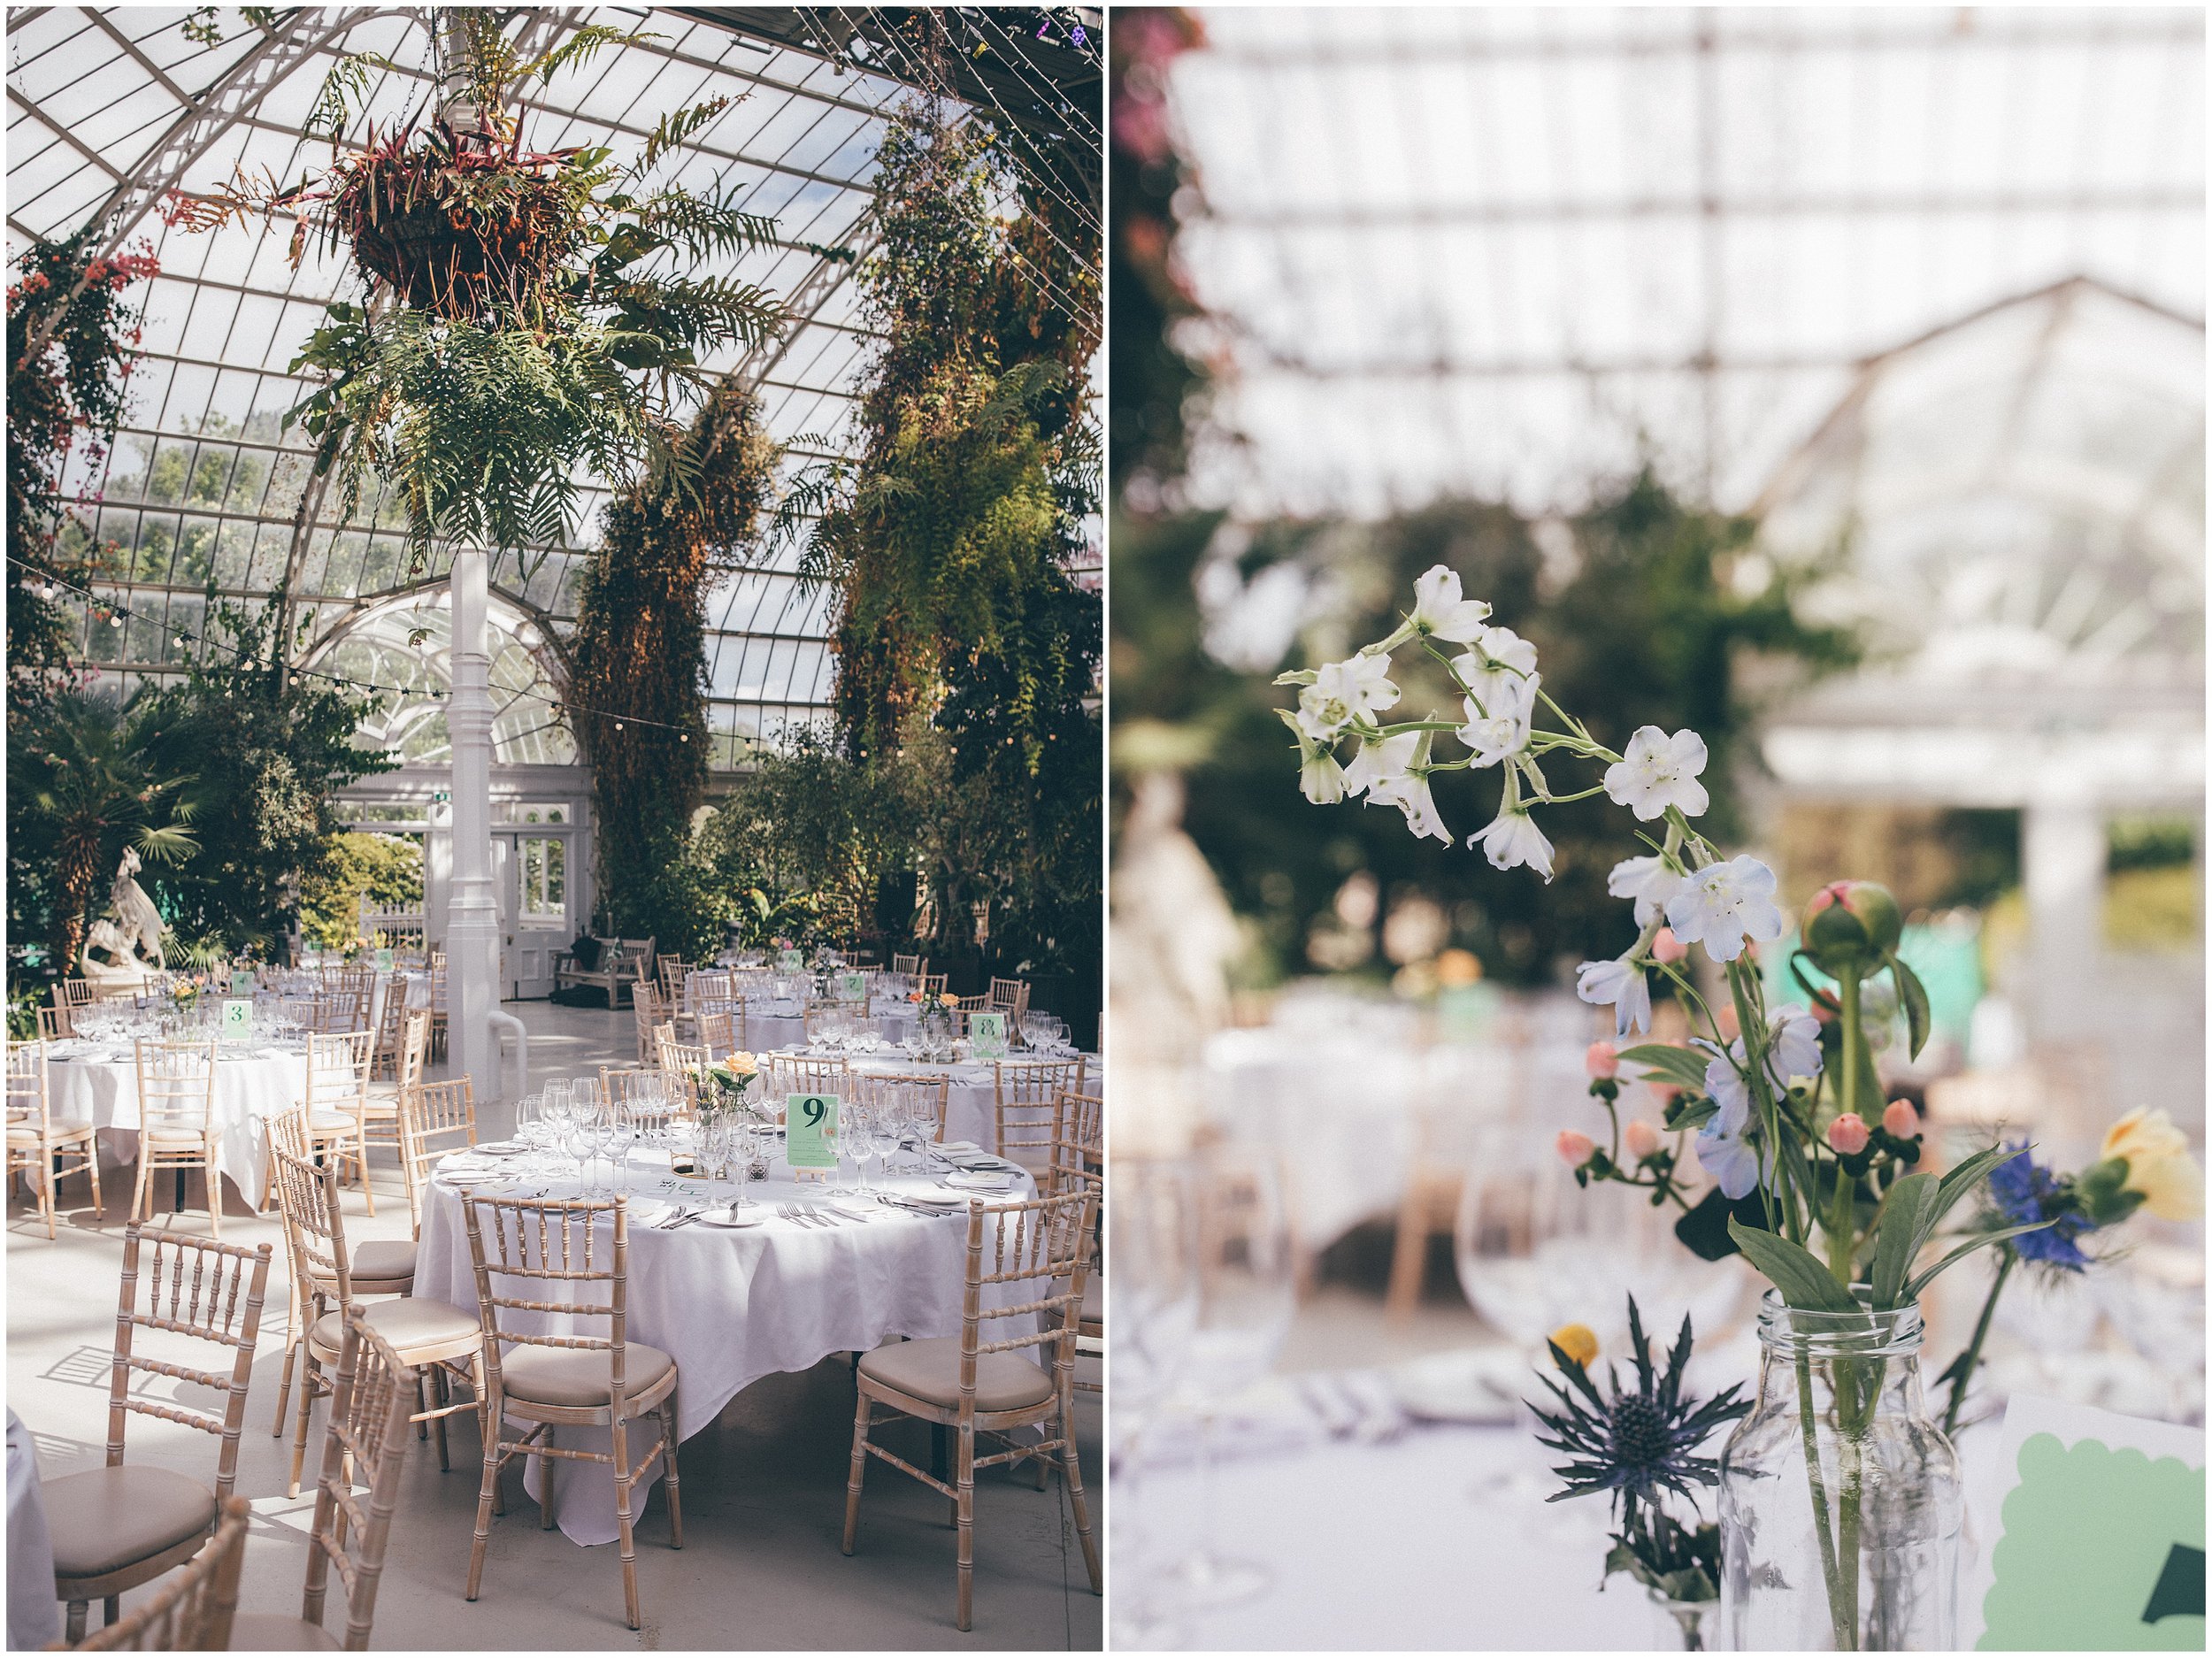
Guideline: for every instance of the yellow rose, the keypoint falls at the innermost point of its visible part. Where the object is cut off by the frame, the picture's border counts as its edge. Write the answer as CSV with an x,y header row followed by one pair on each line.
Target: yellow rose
x,y
2159,1164
741,1065
1578,1342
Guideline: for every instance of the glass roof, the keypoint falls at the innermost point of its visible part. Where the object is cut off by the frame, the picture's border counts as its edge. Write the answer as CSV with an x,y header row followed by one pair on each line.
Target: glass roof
x,y
1512,251
203,483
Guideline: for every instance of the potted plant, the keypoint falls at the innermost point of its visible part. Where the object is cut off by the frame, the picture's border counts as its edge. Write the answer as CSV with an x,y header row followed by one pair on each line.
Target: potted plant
x,y
527,314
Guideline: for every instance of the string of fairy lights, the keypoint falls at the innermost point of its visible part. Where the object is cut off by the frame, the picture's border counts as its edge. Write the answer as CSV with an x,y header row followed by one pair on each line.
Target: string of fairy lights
x,y
49,586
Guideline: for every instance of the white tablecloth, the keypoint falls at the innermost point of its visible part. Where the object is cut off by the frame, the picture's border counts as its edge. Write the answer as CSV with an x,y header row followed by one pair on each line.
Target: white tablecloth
x,y
733,1306
95,1085
33,1614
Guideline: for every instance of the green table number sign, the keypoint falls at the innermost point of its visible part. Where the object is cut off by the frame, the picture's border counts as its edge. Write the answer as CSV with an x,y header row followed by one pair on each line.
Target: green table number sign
x,y
790,961
237,1019
987,1035
810,1130
852,986
386,960
241,984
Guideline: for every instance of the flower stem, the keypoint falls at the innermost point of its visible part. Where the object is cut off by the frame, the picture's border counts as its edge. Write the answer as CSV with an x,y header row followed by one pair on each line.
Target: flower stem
x,y
1839,1238
1808,1429
1972,1358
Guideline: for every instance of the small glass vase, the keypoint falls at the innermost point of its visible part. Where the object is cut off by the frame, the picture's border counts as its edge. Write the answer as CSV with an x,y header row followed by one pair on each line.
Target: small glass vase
x,y
1840,1501
1683,1625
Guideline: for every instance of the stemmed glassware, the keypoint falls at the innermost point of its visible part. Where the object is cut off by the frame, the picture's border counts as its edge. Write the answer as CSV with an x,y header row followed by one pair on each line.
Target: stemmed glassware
x,y
621,1134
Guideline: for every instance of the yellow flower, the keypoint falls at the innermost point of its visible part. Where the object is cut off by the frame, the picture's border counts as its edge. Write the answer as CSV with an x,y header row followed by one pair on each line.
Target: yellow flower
x,y
948,1000
2159,1164
1578,1342
741,1065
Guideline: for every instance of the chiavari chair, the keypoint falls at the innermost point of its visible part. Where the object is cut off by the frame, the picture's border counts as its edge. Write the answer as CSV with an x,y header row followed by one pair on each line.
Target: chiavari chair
x,y
436,1119
74,994
122,1524
917,1096
979,1386
550,1382
717,1032
441,1341
908,964
54,1023
785,1074
366,1443
338,1101
681,1063
1078,1162
38,1139
930,986
196,1608
380,1118
176,1122
1028,1090
673,969
650,1013
1010,996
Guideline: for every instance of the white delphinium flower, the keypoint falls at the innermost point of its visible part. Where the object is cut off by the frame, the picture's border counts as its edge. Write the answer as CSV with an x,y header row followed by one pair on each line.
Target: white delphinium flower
x,y
1343,692
1513,840
1657,771
1409,793
1725,1081
1729,1156
1723,905
1620,985
1498,735
1381,762
1499,671
1320,777
1793,1044
1648,881
1438,611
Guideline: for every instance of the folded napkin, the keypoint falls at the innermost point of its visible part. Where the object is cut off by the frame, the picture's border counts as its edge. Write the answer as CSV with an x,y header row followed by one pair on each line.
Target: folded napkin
x,y
981,1179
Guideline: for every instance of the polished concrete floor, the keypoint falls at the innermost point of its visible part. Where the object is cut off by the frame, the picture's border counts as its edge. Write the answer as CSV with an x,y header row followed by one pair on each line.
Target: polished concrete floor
x,y
764,1488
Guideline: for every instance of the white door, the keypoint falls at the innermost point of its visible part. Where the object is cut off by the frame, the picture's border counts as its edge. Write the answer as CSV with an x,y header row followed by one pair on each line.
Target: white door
x,y
536,902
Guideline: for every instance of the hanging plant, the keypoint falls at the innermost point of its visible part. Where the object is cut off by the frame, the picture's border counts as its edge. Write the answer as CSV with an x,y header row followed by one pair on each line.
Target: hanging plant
x,y
529,315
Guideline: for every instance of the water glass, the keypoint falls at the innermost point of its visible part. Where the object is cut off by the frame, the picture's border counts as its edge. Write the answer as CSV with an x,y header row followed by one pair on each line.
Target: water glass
x,y
621,1133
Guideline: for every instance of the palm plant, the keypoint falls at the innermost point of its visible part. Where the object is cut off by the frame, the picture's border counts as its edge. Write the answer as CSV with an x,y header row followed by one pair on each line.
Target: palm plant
x,y
82,788
529,313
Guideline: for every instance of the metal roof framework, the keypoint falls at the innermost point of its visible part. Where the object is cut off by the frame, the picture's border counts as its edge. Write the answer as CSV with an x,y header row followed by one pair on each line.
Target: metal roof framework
x,y
111,108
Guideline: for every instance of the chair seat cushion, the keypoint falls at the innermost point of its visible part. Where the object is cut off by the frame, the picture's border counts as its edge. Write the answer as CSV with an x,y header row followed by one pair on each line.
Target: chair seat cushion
x,y
1094,1307
930,1370
579,1378
57,1128
329,1121
167,1138
103,1519
410,1326
381,1262
272,1631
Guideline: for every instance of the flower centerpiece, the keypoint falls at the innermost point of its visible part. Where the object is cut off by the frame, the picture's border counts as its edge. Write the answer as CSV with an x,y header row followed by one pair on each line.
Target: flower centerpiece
x,y
526,317
1827,1535
1640,1446
933,1024
726,1085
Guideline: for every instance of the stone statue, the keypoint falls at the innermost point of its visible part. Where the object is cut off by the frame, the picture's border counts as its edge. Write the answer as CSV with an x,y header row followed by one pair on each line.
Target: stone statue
x,y
132,926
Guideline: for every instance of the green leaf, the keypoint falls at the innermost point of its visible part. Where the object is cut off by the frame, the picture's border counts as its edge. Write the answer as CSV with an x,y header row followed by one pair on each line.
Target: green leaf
x,y
1679,1067
1914,995
1793,1269
1302,676
1902,1234
1696,1114
1978,1241
1963,1180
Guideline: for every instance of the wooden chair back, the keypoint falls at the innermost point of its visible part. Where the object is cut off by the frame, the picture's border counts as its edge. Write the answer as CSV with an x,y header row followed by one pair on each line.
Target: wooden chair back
x,y
555,1243
673,969
1010,995
176,1088
1079,1142
718,1030
931,985
54,1023
1028,1095
1044,1243
905,964
650,1012
373,1396
338,1073
434,1119
29,1097
703,987
194,1290
314,1230
796,1073
73,993
921,1097
198,1602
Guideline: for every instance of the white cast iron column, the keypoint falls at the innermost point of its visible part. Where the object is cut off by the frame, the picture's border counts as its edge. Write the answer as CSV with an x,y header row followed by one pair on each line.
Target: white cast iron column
x,y
472,929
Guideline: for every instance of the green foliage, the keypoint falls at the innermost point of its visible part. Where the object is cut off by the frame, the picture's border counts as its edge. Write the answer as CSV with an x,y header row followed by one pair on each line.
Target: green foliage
x,y
268,749
384,869
84,784
638,657
1649,625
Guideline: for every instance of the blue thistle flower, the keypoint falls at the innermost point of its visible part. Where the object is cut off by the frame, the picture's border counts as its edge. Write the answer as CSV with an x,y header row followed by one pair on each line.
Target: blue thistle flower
x,y
2024,1192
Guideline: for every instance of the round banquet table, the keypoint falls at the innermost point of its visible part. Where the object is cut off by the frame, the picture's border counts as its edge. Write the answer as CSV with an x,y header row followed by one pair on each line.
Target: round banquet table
x,y
971,1102
730,1306
98,1082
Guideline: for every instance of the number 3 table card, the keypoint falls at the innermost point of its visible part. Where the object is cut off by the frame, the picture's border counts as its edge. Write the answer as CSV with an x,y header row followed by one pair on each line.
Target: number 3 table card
x,y
237,1020
810,1130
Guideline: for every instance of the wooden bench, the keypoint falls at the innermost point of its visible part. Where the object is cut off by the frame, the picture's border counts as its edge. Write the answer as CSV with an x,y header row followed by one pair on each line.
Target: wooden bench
x,y
622,963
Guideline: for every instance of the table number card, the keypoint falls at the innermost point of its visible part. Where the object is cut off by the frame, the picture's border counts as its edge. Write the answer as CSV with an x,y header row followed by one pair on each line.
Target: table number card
x,y
2100,1523
385,959
987,1035
241,984
790,961
237,1019
852,986
810,1130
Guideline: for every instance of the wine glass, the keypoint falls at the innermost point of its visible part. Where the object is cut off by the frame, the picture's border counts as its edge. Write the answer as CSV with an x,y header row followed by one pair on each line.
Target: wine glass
x,y
1244,1307
855,1128
621,1129
744,1146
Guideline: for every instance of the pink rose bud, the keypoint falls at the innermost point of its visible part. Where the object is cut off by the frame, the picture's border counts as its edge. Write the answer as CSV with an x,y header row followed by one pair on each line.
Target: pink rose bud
x,y
1668,949
1731,1027
1848,1134
1574,1147
1825,1009
1640,1138
1901,1119
1665,1093
1601,1059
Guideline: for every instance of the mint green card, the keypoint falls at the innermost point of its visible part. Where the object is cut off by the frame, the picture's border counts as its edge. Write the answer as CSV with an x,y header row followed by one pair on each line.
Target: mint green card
x,y
809,1121
987,1035
385,959
852,986
237,1019
241,984
790,961
2099,1547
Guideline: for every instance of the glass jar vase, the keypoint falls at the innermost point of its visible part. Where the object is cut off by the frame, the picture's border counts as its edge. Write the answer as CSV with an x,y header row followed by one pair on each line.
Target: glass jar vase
x,y
1840,1501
